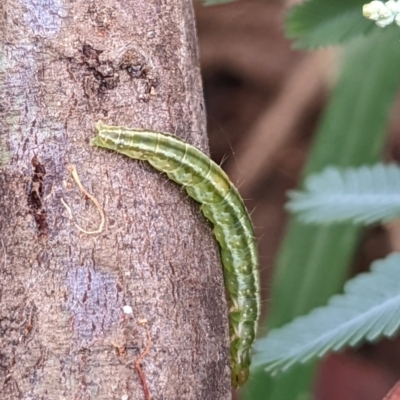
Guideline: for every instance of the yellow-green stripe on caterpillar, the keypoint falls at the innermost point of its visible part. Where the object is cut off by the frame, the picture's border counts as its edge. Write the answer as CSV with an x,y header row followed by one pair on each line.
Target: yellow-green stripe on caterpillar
x,y
221,203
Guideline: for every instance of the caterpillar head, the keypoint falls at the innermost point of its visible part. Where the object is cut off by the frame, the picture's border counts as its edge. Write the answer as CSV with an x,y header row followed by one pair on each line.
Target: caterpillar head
x,y
239,375
134,143
107,137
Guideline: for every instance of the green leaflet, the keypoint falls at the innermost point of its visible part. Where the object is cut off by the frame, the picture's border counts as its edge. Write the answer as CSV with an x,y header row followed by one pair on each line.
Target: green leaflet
x,y
316,23
216,2
313,261
368,310
359,195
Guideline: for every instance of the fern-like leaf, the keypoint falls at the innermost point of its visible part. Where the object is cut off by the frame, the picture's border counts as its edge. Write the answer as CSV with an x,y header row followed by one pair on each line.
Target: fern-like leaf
x,y
316,23
362,195
368,310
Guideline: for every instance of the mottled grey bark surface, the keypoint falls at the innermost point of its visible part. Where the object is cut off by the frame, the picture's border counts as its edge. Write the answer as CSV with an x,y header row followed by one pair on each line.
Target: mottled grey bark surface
x,y
63,330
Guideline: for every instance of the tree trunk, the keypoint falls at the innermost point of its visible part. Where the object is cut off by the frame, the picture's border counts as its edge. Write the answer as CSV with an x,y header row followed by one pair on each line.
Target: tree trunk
x,y
81,315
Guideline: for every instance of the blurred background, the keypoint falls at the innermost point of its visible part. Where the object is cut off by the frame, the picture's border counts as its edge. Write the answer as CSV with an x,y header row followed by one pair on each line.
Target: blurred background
x,y
264,101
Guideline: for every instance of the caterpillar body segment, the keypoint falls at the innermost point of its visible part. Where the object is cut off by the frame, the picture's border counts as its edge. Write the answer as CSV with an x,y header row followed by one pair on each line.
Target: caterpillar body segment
x,y
221,203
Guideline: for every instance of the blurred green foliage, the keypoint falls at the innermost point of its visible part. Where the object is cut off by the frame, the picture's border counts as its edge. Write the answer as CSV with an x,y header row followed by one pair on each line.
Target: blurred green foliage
x,y
313,260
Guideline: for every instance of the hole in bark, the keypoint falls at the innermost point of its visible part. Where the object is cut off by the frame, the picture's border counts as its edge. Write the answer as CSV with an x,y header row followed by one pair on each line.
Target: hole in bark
x,y
35,196
91,55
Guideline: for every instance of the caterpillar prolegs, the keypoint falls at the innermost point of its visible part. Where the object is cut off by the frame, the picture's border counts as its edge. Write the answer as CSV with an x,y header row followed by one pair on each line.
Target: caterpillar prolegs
x,y
221,203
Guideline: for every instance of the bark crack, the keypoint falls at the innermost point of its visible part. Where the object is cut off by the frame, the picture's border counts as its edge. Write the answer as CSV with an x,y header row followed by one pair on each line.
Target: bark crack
x,y
35,196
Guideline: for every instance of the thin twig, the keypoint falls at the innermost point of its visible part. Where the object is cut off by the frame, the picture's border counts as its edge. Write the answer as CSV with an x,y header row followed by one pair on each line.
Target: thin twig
x,y
138,367
67,207
74,173
393,229
394,394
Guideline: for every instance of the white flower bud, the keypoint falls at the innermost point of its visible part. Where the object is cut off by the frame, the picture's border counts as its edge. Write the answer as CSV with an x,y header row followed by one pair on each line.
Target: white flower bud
x,y
376,10
385,22
393,6
382,13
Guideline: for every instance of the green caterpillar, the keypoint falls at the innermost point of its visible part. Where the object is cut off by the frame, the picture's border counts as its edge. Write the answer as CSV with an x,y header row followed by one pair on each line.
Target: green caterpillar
x,y
221,203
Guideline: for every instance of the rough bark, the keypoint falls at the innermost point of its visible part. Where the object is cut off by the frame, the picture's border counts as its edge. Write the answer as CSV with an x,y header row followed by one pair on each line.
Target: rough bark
x,y
63,330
